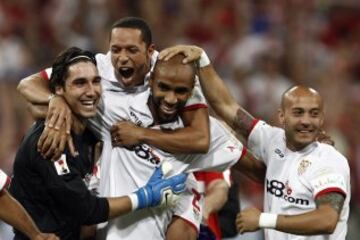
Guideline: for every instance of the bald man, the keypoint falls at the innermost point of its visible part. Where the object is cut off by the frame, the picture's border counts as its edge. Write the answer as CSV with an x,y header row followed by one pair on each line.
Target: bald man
x,y
307,185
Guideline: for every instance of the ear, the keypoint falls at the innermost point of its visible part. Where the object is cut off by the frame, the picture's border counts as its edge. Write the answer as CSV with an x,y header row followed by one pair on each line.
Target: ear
x,y
59,90
281,116
150,50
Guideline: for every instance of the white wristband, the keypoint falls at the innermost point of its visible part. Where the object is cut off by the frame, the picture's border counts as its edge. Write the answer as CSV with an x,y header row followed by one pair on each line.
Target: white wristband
x,y
134,201
204,60
267,220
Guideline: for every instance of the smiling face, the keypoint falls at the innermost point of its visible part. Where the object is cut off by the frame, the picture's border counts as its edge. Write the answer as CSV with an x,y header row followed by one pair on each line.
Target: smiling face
x,y
302,116
171,86
82,88
130,56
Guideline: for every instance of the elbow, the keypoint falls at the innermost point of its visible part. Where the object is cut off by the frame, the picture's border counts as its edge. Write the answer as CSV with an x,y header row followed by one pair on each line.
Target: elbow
x,y
330,226
202,144
20,87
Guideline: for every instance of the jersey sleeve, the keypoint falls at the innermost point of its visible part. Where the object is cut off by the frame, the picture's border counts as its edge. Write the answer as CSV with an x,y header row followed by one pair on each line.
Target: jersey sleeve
x,y
261,135
197,99
329,176
4,181
46,73
224,151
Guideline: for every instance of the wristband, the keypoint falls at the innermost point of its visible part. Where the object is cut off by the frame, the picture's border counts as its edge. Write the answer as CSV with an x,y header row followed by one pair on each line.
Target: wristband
x,y
204,60
134,201
267,220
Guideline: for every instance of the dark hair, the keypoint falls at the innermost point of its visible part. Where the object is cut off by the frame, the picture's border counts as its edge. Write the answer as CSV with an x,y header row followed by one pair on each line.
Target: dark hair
x,y
136,23
63,61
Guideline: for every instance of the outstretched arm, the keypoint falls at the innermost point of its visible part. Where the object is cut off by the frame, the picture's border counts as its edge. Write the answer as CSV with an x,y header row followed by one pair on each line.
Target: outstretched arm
x,y
223,103
322,220
215,91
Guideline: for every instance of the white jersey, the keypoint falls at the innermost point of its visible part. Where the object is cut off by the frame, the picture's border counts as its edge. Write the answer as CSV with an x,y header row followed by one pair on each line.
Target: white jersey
x,y
295,179
123,170
4,180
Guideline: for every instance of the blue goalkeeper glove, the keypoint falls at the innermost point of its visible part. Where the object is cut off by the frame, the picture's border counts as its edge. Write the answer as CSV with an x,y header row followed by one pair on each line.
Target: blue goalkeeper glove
x,y
159,191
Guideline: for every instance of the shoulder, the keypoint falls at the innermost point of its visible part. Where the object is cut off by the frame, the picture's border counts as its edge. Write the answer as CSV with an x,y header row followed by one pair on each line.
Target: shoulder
x,y
329,155
264,130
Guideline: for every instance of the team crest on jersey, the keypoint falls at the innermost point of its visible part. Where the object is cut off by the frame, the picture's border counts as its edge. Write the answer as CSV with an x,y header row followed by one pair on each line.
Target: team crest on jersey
x,y
303,166
61,165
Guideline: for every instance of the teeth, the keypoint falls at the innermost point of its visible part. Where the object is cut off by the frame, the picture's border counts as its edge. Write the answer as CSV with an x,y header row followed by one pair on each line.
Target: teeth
x,y
92,102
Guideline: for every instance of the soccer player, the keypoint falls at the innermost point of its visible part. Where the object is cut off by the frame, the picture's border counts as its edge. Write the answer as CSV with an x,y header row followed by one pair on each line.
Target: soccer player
x,y
55,193
123,71
14,214
307,187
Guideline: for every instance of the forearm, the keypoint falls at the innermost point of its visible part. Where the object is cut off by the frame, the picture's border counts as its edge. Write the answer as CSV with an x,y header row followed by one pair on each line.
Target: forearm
x,y
35,89
223,103
251,167
323,220
14,214
185,140
37,111
119,206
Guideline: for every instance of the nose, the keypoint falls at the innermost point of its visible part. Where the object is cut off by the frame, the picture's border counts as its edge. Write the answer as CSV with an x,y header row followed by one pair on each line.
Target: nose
x,y
123,57
170,98
305,120
90,90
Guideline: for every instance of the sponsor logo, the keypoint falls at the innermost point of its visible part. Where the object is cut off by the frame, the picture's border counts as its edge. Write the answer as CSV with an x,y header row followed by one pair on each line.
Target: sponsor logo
x,y
279,153
147,153
61,165
137,121
281,190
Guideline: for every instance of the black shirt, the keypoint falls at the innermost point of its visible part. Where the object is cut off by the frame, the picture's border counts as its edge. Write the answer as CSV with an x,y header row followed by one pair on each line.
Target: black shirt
x,y
58,201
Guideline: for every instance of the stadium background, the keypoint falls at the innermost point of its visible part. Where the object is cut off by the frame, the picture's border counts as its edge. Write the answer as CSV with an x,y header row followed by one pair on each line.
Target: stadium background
x,y
259,47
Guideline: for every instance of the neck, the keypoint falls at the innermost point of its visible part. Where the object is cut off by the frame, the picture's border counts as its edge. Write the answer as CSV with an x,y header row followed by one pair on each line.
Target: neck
x,y
78,126
152,107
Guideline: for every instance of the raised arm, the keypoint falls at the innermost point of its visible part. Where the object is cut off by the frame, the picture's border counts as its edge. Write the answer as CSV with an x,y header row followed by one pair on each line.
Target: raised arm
x,y
35,89
223,103
322,220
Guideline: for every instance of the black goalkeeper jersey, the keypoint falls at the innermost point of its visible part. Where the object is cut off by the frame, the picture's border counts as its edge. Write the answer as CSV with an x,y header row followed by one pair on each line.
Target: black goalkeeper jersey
x,y
56,197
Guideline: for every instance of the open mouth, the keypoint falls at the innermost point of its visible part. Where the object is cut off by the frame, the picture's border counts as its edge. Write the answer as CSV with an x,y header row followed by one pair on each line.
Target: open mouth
x,y
89,104
126,72
168,111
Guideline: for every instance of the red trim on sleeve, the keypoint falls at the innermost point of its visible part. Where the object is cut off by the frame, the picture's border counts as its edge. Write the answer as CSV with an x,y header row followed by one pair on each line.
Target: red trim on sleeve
x,y
7,184
328,190
194,106
188,222
44,74
243,152
253,124
207,177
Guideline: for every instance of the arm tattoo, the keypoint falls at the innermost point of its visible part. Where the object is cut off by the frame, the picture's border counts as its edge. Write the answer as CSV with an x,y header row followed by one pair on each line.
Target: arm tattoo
x,y
336,200
242,122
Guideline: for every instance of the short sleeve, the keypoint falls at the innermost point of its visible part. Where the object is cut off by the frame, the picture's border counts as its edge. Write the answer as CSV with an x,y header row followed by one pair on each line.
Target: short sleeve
x,y
46,73
261,135
4,181
197,99
328,177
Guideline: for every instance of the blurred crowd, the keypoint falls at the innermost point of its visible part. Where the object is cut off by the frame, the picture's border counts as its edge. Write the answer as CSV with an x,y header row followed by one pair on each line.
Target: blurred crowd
x,y
260,47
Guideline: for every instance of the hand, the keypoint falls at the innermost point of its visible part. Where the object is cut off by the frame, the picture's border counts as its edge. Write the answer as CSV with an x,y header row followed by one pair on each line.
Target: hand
x,y
52,142
126,134
45,236
59,111
160,191
192,53
248,220
324,138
